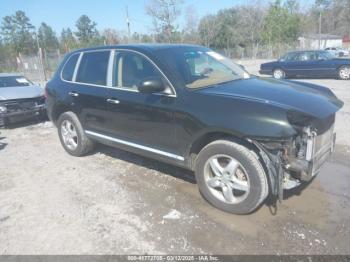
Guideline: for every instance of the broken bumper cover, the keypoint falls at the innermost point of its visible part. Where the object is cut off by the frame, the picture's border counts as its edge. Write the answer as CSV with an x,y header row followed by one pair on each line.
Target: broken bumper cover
x,y
322,147
21,110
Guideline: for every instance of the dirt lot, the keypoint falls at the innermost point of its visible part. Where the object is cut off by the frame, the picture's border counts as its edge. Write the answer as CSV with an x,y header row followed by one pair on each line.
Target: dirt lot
x,y
114,202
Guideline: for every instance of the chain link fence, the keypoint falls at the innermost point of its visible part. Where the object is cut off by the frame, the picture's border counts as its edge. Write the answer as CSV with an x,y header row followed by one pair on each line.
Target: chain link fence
x,y
259,51
41,66
38,67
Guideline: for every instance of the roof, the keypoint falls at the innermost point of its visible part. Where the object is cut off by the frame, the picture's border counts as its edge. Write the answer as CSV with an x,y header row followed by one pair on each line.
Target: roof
x,y
322,36
145,47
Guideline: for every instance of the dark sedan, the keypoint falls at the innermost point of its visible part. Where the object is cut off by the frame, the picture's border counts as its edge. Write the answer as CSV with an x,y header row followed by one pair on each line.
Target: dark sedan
x,y
308,64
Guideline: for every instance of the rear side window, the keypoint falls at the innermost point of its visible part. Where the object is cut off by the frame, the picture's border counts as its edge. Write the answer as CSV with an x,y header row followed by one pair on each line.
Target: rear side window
x,y
68,70
93,68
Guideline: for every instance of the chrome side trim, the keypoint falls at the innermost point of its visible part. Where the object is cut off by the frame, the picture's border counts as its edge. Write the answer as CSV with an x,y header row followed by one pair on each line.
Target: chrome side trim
x,y
110,68
77,67
146,148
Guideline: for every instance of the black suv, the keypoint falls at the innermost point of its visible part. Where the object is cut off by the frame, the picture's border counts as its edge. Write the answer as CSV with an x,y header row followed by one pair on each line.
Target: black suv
x,y
245,137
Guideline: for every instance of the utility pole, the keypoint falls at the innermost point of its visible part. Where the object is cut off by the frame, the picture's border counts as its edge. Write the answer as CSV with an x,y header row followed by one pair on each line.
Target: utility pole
x,y
128,23
40,53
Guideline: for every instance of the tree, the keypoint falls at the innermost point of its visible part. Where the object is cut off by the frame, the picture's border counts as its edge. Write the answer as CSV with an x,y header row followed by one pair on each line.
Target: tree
x,y
67,40
18,32
207,30
190,32
87,31
47,37
111,36
280,26
165,14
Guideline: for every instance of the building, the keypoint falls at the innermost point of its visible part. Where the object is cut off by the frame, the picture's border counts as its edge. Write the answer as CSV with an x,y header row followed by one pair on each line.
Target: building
x,y
320,41
346,42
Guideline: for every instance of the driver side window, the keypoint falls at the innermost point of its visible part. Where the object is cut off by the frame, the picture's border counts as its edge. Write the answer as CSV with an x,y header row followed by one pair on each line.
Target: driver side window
x,y
130,69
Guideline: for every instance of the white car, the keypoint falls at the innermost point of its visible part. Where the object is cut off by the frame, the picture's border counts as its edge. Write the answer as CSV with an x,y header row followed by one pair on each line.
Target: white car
x,y
338,51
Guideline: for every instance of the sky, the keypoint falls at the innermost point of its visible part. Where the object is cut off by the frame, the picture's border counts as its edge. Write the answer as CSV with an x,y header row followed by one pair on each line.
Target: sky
x,y
106,13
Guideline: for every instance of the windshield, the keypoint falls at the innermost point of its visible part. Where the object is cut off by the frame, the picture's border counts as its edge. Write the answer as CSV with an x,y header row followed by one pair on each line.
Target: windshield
x,y
202,67
12,81
210,68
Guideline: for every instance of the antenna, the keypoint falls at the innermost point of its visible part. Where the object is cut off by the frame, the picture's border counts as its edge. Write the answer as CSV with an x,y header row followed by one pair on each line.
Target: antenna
x,y
128,22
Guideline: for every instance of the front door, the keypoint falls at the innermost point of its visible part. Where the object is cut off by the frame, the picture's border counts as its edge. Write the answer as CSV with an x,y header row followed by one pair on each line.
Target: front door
x,y
142,119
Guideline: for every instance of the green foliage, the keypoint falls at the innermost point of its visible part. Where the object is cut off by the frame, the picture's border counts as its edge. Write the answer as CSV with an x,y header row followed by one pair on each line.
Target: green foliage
x,y
17,31
280,25
47,37
87,31
67,40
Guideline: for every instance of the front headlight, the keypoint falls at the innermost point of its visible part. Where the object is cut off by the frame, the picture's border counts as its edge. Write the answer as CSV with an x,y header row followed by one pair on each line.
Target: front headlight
x,y
3,109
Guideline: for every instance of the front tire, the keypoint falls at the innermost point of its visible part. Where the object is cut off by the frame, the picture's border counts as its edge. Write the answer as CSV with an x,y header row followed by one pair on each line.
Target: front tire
x,y
344,72
72,135
278,73
230,177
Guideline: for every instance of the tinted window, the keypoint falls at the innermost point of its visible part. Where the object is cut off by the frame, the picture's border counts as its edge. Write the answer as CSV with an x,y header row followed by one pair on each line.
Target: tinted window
x,y
290,57
132,69
93,68
68,70
324,55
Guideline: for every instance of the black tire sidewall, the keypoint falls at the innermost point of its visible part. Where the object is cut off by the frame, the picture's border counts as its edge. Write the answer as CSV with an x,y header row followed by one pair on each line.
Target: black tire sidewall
x,y
251,202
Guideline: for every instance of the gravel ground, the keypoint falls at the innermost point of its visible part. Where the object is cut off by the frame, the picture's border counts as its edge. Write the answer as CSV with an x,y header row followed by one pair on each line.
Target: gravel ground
x,y
114,202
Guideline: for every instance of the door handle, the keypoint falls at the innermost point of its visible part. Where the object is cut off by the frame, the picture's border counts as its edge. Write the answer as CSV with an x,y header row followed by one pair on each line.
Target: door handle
x,y
112,101
75,94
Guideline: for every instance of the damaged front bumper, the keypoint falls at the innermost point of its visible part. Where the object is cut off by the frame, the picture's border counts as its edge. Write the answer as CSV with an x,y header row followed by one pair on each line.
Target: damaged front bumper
x,y
21,109
291,162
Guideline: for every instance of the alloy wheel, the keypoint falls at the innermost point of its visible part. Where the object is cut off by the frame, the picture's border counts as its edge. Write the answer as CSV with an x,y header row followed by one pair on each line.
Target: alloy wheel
x,y
226,179
278,74
344,72
69,134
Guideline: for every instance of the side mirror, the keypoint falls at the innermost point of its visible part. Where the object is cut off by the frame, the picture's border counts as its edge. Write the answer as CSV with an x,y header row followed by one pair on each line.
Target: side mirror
x,y
152,85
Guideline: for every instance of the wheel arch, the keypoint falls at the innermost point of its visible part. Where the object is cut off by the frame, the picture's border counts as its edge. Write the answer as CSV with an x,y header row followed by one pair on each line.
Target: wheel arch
x,y
57,111
206,138
211,136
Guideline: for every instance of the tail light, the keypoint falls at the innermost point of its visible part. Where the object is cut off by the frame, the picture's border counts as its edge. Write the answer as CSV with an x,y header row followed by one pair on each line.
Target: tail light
x,y
46,94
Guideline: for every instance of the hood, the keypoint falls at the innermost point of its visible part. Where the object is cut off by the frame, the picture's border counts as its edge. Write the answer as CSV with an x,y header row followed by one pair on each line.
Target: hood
x,y
20,92
310,99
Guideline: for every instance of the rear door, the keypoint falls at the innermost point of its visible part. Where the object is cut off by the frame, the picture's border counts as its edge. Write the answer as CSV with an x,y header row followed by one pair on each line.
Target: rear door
x,y
90,89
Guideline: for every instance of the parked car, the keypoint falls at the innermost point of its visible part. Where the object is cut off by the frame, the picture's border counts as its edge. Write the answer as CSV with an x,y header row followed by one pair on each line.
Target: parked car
x,y
318,63
19,99
337,51
244,137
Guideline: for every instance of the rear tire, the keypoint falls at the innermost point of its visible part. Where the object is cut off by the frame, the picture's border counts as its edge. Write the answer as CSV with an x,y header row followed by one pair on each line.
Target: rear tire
x,y
230,177
344,72
278,73
72,135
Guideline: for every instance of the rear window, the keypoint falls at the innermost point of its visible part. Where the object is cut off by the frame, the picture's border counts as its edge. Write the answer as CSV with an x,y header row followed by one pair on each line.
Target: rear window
x,y
93,68
68,70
